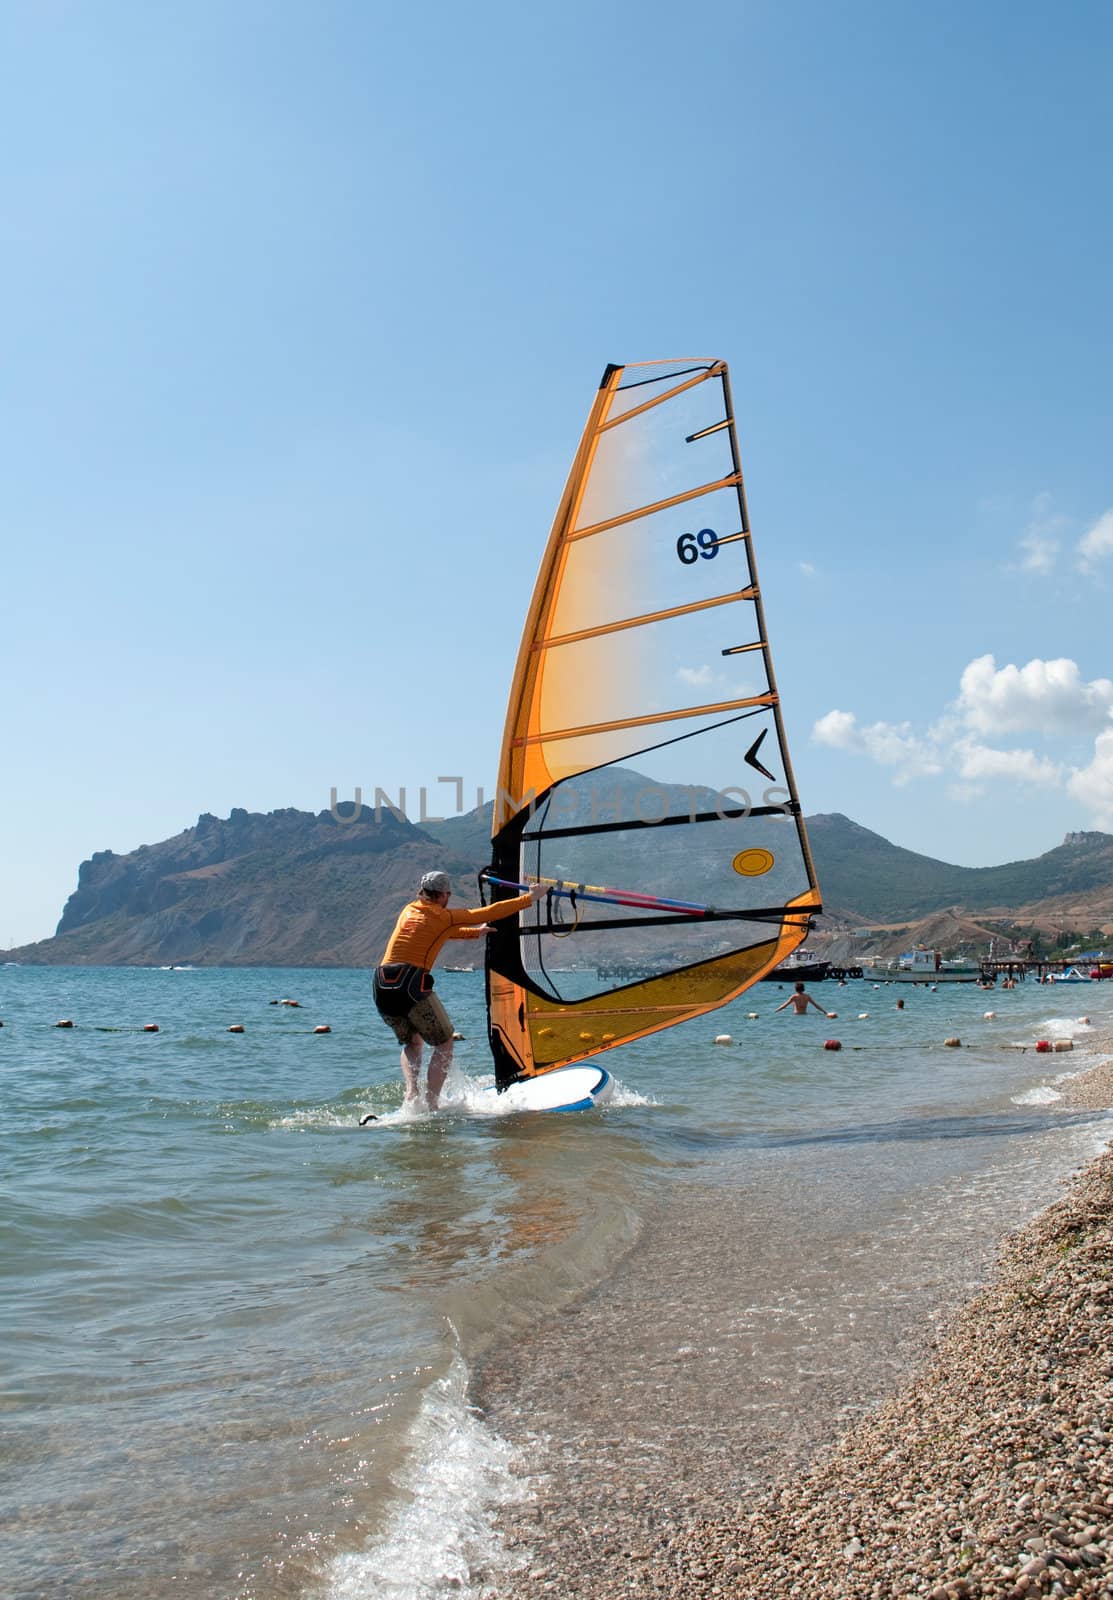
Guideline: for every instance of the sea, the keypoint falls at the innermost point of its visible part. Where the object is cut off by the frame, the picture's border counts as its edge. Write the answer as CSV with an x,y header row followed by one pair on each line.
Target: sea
x,y
252,1349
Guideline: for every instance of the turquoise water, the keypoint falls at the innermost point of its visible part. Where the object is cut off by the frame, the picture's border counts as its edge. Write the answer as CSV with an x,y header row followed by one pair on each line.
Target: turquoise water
x,y
244,1338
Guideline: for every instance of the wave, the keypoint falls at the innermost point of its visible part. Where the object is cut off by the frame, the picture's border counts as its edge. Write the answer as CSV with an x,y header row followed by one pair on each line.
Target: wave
x,y
443,1530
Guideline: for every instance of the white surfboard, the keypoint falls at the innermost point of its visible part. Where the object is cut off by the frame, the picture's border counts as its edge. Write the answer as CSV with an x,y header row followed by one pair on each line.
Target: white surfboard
x,y
566,1089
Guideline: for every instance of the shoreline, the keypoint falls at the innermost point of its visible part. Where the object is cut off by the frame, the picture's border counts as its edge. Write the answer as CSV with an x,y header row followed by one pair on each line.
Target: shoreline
x,y
984,1473
989,1473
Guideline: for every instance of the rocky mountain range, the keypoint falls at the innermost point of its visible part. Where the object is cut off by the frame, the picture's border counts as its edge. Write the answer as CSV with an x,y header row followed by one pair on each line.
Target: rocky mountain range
x,y
294,888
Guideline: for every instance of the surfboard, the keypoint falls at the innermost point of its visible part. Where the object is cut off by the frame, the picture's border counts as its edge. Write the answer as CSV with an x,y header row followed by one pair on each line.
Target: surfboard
x,y
566,1089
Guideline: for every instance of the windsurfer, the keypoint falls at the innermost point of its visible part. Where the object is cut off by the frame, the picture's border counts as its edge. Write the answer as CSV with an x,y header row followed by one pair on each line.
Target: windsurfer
x,y
403,982
800,1000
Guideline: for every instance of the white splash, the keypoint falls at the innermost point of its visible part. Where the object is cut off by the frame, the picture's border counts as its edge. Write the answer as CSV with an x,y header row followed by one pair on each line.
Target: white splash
x,y
1042,1095
442,1539
464,1096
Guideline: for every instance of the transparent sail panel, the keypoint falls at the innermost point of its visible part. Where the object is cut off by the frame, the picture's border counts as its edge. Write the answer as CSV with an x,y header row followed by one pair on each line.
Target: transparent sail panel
x,y
646,458
674,557
639,384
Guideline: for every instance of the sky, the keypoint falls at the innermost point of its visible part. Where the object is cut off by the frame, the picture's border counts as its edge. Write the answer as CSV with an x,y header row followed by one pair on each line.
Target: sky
x,y
304,307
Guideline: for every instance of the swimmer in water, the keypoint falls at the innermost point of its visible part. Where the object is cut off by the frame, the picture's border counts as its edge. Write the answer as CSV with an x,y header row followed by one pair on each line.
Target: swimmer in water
x,y
800,1001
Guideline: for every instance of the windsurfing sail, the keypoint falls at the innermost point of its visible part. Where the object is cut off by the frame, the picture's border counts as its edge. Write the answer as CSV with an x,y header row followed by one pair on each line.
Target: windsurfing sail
x,y
644,776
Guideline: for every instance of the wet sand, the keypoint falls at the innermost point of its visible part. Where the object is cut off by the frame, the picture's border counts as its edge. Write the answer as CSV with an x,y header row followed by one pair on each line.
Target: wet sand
x,y
986,1474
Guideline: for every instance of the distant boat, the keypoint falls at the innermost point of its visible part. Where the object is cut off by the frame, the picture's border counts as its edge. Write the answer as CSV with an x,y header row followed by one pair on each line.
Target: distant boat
x,y
1072,975
457,969
925,966
801,964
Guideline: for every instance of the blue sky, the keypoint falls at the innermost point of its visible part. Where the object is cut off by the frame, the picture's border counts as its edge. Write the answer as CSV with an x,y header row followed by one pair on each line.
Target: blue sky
x,y
305,305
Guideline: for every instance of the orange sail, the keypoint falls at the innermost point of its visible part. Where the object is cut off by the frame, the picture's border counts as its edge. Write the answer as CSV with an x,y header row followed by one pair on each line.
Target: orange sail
x,y
643,746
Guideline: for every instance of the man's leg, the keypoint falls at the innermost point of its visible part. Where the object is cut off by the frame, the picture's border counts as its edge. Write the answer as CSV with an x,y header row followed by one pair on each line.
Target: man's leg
x,y
411,1067
439,1063
435,1026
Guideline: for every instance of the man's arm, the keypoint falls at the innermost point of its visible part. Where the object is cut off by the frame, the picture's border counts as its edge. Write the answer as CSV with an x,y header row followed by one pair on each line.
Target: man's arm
x,y
495,912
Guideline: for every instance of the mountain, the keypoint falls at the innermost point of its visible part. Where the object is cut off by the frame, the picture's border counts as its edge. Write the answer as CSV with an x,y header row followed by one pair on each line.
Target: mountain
x,y
294,888
288,888
868,879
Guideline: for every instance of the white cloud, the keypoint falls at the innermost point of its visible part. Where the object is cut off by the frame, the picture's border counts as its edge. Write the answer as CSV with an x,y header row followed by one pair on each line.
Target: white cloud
x,y
838,730
698,677
1096,543
1092,786
1041,697
806,568
890,744
1041,538
978,761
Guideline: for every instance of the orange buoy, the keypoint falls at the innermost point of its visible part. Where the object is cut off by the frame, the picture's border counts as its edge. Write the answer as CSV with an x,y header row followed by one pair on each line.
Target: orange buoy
x,y
1064,1044
65,1023
150,1027
324,1028
237,1027
291,1002
1043,1046
953,1044
832,1044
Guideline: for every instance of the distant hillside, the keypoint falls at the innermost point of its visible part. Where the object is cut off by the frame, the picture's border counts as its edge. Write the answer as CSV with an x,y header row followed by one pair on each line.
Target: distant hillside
x,y
863,875
291,888
288,888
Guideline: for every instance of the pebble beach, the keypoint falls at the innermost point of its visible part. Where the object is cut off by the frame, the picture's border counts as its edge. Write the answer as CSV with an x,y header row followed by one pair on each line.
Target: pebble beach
x,y
986,1474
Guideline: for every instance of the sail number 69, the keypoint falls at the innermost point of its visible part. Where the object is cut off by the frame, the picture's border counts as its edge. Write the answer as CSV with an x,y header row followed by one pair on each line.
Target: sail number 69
x,y
691,546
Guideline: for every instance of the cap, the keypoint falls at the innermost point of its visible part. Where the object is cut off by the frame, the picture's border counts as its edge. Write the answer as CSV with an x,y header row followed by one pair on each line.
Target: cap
x,y
436,883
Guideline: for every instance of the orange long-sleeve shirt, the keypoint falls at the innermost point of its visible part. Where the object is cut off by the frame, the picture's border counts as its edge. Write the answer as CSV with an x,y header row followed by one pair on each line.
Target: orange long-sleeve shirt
x,y
423,927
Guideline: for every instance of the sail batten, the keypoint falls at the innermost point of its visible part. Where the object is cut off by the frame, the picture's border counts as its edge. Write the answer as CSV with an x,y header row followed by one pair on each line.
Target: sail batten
x,y
647,405
649,556
650,720
646,616
729,482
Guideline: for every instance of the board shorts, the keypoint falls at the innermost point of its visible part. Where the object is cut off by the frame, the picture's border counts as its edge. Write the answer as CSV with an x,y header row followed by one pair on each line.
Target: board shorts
x,y
405,1000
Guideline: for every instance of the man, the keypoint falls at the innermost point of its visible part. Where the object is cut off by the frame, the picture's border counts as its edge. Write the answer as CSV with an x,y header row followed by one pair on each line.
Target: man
x,y
403,983
801,1000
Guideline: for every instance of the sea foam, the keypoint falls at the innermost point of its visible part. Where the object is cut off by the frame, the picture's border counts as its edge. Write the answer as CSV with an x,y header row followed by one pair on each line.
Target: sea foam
x,y
442,1534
